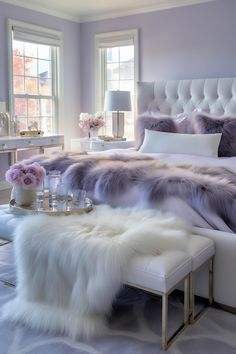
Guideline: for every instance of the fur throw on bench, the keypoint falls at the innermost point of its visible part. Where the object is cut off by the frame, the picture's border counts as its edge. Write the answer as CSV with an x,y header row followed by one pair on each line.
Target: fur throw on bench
x,y
70,269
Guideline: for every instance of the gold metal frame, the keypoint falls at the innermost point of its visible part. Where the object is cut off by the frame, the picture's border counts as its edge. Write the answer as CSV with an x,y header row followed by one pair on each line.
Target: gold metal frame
x,y
165,341
192,316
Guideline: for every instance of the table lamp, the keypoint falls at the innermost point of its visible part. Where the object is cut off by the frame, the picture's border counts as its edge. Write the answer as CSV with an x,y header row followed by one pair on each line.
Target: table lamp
x,y
117,102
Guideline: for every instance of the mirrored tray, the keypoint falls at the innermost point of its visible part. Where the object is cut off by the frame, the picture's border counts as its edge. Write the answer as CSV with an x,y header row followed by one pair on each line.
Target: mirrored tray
x,y
26,210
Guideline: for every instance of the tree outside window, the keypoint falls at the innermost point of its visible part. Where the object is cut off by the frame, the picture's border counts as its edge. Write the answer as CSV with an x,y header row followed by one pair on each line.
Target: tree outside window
x,y
33,85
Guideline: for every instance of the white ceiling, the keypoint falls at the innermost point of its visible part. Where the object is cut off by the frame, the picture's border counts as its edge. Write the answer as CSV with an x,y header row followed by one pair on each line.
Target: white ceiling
x,y
91,10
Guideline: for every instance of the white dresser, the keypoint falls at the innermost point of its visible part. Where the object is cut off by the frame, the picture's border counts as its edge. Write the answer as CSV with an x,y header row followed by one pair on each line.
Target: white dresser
x,y
85,144
13,144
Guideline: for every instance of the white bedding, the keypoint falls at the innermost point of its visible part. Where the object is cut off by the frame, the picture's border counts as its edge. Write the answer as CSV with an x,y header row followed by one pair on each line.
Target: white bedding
x,y
227,162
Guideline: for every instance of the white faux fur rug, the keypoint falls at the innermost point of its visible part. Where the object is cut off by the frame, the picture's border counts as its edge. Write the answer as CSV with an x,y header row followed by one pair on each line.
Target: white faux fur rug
x,y
70,268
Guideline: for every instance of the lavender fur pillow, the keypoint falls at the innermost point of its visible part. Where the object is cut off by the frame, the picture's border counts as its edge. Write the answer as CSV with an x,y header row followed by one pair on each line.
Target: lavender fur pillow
x,y
161,124
204,123
184,122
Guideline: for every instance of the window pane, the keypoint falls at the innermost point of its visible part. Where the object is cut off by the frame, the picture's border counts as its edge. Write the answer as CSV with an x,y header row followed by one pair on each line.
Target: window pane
x,y
113,85
34,121
46,107
44,69
44,52
126,70
112,71
18,83
46,125
22,123
127,53
18,48
30,67
18,65
30,50
127,85
45,86
20,107
33,76
113,54
31,85
33,107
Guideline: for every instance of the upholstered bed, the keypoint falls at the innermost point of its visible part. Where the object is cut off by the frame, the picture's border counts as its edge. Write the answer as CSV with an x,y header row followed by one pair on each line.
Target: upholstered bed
x,y
218,97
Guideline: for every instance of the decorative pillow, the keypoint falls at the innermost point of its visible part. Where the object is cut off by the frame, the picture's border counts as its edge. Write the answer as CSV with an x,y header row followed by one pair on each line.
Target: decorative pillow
x,y
191,144
184,122
206,123
164,124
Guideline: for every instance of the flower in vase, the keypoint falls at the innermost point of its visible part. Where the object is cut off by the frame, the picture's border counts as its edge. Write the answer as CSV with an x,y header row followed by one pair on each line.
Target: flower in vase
x,y
28,176
90,121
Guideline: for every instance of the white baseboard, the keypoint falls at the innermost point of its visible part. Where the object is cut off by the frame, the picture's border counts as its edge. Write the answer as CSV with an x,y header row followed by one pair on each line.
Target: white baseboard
x,y
5,185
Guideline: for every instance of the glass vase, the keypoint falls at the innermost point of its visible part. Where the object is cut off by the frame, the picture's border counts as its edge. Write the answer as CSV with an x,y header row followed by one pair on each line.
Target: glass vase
x,y
93,134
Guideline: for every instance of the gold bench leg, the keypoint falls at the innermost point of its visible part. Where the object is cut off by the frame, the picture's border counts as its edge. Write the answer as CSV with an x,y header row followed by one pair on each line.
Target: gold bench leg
x,y
165,297
211,282
164,334
192,316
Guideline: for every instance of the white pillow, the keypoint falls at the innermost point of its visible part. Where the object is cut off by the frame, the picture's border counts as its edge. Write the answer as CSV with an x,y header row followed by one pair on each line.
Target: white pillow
x,y
175,143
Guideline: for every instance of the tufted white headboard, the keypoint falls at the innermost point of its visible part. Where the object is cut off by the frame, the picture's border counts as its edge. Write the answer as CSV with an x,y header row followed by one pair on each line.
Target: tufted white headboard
x,y
217,96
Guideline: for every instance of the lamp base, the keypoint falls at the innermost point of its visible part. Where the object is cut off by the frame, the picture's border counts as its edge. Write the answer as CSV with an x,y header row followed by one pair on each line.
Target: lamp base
x,y
118,124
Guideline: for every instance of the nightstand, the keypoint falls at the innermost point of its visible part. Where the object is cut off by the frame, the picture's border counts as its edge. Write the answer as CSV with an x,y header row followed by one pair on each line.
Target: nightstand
x,y
85,144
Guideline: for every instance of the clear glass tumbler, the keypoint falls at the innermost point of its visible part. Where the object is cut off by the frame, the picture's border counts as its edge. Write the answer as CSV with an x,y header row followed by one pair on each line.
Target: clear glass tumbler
x,y
79,196
40,200
54,179
62,197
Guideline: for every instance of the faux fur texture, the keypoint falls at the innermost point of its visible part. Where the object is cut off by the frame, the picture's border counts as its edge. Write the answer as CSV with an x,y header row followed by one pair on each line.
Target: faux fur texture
x,y
69,269
160,123
131,180
204,123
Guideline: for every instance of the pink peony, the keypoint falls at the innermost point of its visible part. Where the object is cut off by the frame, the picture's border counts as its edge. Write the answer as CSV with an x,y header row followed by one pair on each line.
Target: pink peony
x,y
29,176
88,121
29,181
13,176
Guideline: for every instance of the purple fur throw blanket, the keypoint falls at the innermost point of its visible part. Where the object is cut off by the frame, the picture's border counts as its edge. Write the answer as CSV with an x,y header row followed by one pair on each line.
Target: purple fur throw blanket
x,y
129,180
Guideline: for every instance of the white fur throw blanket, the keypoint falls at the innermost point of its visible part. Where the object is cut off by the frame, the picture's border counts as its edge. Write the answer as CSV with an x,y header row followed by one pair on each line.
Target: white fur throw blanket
x,y
70,268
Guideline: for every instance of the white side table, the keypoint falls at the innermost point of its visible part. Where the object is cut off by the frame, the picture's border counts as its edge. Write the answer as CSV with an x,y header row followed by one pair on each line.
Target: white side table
x,y
85,144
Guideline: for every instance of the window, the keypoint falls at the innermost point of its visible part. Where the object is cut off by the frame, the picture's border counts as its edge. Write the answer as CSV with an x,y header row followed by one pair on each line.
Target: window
x,y
34,57
117,70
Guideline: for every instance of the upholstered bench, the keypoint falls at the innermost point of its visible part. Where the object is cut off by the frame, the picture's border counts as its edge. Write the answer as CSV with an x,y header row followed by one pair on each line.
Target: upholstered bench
x,y
156,274
162,274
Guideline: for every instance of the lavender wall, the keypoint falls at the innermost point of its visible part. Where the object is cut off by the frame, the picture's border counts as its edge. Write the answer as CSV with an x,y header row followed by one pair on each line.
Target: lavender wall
x,y
187,42
71,60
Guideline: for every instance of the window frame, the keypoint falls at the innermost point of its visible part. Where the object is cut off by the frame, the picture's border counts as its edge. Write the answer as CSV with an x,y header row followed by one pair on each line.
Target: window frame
x,y
104,40
57,59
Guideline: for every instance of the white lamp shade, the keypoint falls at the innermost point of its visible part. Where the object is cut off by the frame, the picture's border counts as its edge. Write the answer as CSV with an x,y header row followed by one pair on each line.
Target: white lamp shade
x,y
117,101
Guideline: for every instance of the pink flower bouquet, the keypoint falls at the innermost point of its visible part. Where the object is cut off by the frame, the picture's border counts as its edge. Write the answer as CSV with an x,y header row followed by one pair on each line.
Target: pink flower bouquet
x,y
27,176
89,121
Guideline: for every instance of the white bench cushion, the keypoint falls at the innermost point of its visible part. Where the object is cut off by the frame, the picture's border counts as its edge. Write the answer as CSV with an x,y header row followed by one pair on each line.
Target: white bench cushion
x,y
159,273
162,272
200,249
